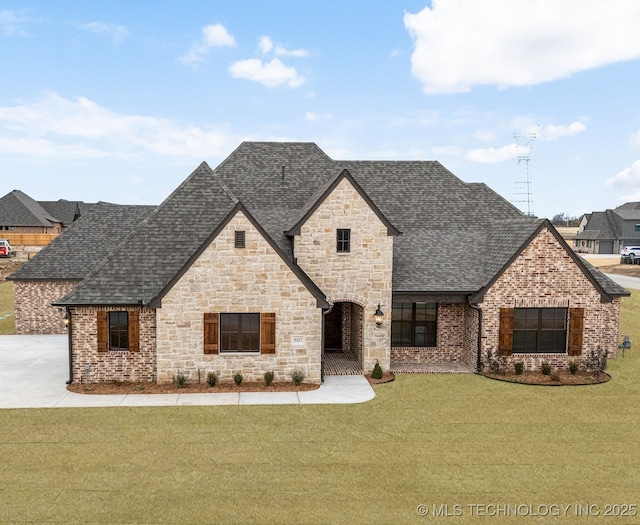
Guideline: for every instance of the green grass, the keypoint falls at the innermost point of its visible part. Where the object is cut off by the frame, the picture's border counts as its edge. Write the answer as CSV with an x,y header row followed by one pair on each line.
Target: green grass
x,y
431,439
7,325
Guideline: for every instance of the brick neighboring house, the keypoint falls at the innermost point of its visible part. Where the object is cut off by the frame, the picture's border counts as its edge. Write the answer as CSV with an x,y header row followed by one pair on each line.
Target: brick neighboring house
x,y
286,256
61,265
608,231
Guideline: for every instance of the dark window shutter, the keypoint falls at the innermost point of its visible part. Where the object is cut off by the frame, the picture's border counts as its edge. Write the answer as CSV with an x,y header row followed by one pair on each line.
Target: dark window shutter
x,y
576,321
211,333
506,331
268,333
134,331
103,331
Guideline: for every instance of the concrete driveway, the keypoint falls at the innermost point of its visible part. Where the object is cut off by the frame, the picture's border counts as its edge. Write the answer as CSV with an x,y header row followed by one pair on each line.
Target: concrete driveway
x,y
34,370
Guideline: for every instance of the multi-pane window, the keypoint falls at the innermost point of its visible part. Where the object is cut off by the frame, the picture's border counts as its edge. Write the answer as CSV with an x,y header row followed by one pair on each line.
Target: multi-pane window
x,y
239,332
343,240
118,331
239,239
539,330
414,324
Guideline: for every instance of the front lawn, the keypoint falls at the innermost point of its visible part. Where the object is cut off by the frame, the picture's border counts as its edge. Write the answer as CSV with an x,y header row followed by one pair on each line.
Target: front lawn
x,y
6,308
462,443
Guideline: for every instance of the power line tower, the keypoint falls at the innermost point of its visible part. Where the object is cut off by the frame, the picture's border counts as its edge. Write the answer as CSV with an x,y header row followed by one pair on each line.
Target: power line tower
x,y
522,192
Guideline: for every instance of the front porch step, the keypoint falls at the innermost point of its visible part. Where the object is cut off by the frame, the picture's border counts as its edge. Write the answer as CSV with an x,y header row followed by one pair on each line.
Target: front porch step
x,y
339,364
400,367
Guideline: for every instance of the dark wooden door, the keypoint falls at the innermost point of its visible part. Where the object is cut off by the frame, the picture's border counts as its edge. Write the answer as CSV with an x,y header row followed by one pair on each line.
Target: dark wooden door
x,y
333,329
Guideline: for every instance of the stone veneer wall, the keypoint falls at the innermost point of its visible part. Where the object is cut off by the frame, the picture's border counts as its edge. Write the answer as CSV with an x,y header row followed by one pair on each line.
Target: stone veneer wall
x,y
455,341
362,276
544,275
237,280
120,365
32,306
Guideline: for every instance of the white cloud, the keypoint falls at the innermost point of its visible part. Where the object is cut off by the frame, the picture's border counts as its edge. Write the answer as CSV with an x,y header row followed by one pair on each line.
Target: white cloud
x,y
215,35
494,155
553,132
266,45
627,178
316,117
270,74
117,33
463,43
10,22
55,127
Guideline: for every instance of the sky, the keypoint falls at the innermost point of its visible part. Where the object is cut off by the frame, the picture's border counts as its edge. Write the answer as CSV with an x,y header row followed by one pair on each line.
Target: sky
x,y
120,101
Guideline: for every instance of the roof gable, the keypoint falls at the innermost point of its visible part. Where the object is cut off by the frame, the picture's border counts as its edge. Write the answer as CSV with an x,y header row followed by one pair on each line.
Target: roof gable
x,y
18,209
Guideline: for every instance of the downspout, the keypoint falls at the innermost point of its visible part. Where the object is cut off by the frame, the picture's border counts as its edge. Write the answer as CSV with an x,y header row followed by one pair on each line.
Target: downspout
x,y
324,312
479,356
70,334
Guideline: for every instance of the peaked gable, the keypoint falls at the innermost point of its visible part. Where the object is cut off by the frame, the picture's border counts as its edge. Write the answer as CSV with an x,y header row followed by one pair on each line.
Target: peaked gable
x,y
18,209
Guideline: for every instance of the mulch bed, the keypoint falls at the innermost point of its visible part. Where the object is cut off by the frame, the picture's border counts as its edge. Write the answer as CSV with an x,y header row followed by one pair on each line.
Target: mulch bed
x,y
122,388
562,378
387,377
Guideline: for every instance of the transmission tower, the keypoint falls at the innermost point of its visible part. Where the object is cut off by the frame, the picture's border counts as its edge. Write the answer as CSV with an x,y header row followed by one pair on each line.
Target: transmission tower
x,y
522,192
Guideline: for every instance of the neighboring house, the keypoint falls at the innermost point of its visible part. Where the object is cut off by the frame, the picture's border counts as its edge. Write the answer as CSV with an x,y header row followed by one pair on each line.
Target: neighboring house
x,y
60,266
286,257
19,213
608,231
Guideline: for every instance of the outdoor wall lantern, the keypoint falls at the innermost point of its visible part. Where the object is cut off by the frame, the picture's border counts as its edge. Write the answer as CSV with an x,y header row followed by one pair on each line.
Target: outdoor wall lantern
x,y
378,315
66,319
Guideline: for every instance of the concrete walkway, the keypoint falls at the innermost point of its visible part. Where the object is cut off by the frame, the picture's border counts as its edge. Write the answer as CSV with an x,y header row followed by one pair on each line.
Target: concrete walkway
x,y
34,369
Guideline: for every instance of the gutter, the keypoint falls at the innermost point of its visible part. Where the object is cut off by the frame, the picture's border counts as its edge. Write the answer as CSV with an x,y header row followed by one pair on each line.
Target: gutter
x,y
479,351
70,334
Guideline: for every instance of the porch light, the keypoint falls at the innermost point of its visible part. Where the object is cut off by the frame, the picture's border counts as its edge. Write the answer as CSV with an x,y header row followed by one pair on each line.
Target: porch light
x,y
66,319
378,315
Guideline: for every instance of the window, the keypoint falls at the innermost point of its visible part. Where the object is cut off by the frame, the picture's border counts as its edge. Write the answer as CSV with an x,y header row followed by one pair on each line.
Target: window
x,y
414,324
539,330
239,241
118,331
638,227
343,240
239,332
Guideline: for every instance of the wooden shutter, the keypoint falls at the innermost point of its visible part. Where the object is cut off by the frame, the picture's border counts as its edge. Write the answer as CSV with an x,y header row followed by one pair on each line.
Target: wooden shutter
x,y
268,333
134,331
103,331
576,321
211,333
506,331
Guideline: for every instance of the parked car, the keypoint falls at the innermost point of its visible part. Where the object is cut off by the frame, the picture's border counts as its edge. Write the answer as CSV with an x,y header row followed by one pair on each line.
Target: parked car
x,y
630,251
5,248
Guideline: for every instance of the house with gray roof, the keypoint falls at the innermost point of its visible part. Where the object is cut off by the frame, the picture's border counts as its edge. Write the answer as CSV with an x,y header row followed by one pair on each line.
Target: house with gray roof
x,y
282,259
19,213
608,231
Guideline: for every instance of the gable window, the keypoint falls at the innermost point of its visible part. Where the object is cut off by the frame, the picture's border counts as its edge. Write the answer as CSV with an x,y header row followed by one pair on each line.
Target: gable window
x,y
239,332
343,238
414,324
118,331
540,330
239,239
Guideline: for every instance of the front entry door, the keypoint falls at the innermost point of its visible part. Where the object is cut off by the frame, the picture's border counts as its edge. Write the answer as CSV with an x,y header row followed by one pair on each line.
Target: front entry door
x,y
333,329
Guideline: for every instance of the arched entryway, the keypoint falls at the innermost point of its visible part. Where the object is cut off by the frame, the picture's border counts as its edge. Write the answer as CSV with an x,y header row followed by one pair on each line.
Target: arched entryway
x,y
343,339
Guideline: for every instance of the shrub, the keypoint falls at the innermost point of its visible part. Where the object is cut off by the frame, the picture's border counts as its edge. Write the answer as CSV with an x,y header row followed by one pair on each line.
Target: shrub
x,y
494,361
212,379
269,376
573,367
237,378
545,368
377,371
596,361
180,379
519,366
298,377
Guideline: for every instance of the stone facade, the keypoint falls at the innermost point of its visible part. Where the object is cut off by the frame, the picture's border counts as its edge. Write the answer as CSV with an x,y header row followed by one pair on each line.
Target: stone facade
x,y
253,279
32,305
544,275
456,340
362,276
91,366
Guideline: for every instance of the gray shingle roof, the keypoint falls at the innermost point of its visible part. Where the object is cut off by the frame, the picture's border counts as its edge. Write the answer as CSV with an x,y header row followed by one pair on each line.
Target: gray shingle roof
x,y
456,236
18,209
629,211
601,225
66,211
82,246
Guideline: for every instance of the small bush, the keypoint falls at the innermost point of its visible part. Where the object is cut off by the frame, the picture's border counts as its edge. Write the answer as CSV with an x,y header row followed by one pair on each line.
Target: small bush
x,y
237,378
269,376
377,371
494,361
298,377
545,368
519,366
212,379
596,361
180,379
573,367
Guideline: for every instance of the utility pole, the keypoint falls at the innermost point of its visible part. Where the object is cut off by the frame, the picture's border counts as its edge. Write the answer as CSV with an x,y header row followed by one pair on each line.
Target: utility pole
x,y
522,192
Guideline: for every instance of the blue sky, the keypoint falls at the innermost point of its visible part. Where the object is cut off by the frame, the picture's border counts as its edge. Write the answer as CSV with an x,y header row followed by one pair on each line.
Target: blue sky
x,y
119,101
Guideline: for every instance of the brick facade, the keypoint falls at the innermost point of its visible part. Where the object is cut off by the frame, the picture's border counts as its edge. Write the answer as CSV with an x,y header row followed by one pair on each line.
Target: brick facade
x,y
32,305
91,366
544,275
362,276
253,279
